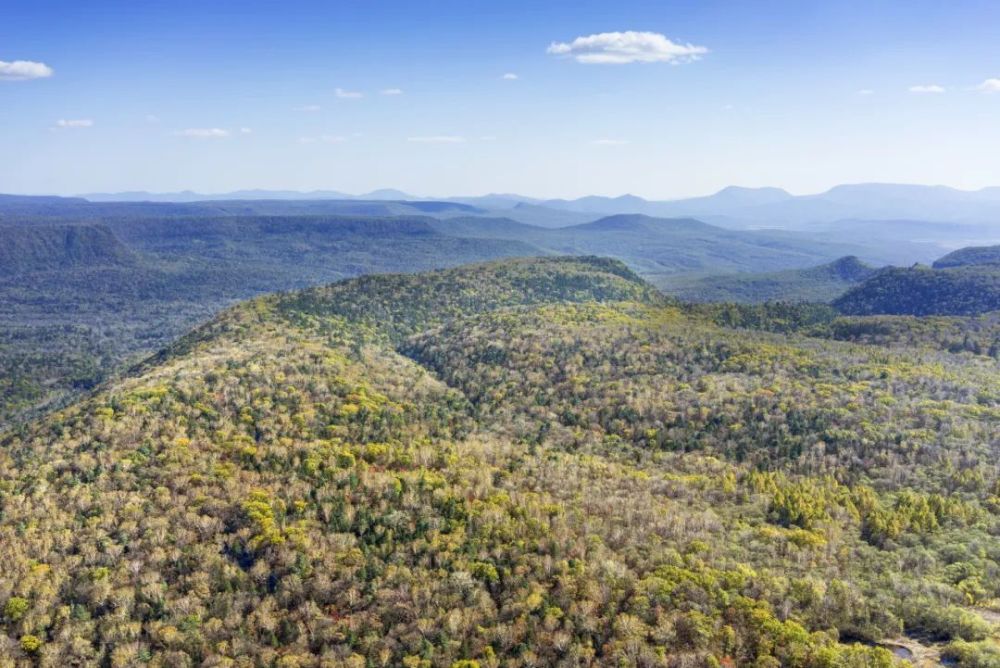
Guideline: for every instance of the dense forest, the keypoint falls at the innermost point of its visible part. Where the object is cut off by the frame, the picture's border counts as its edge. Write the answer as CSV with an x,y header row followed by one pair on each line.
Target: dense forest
x,y
958,290
87,288
972,255
523,463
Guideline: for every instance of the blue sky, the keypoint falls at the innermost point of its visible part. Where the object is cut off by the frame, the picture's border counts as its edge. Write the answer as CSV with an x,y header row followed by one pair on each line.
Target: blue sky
x,y
162,96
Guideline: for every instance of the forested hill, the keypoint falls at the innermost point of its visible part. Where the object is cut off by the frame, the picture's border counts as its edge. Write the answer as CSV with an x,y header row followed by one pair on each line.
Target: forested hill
x,y
525,463
814,284
391,306
973,255
60,247
919,290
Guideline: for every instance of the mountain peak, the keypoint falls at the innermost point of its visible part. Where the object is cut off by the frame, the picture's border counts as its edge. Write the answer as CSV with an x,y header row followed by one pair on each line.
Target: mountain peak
x,y
850,268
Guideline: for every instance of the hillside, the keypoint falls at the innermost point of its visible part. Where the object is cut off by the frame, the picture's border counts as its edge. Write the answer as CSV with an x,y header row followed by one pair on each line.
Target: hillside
x,y
815,284
168,266
79,301
531,462
970,256
59,248
919,290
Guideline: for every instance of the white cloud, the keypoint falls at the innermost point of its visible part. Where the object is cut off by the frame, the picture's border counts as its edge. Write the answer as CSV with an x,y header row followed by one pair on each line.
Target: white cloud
x,y
927,88
245,131
610,142
866,91
21,70
309,107
617,48
391,91
75,123
203,133
437,139
989,86
510,76
324,139
348,94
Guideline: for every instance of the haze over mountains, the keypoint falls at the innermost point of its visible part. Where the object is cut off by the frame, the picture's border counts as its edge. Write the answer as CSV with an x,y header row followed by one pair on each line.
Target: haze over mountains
x,y
734,205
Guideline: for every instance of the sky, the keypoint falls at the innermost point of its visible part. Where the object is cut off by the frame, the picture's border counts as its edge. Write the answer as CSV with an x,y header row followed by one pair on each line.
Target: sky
x,y
548,99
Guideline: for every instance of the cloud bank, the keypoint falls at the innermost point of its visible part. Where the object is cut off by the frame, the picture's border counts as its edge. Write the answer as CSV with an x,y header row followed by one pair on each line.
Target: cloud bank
x,y
619,48
932,89
324,139
75,123
22,70
203,133
437,139
989,86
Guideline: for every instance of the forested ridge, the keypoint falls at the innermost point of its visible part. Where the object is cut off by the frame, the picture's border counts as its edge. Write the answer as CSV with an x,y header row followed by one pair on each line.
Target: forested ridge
x,y
88,288
524,463
970,256
959,289
815,284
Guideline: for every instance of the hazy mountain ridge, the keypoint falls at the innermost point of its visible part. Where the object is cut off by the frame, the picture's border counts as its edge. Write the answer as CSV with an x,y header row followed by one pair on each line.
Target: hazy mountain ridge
x,y
823,283
27,209
872,201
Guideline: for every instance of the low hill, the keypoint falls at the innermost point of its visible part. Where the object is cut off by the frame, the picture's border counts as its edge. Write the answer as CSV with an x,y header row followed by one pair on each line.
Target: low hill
x,y
524,463
919,290
971,256
816,284
28,249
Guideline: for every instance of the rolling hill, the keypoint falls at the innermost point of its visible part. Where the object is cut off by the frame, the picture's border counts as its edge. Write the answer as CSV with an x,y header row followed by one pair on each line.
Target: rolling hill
x,y
971,256
815,284
528,462
79,301
919,290
965,282
70,320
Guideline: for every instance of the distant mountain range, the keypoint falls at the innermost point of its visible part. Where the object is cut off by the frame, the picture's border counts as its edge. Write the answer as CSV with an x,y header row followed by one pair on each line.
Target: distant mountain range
x,y
733,206
254,194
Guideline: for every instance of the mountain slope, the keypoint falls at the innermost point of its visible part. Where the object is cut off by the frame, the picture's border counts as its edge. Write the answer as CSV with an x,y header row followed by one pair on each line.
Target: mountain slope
x,y
816,284
971,256
502,464
59,248
76,301
918,290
